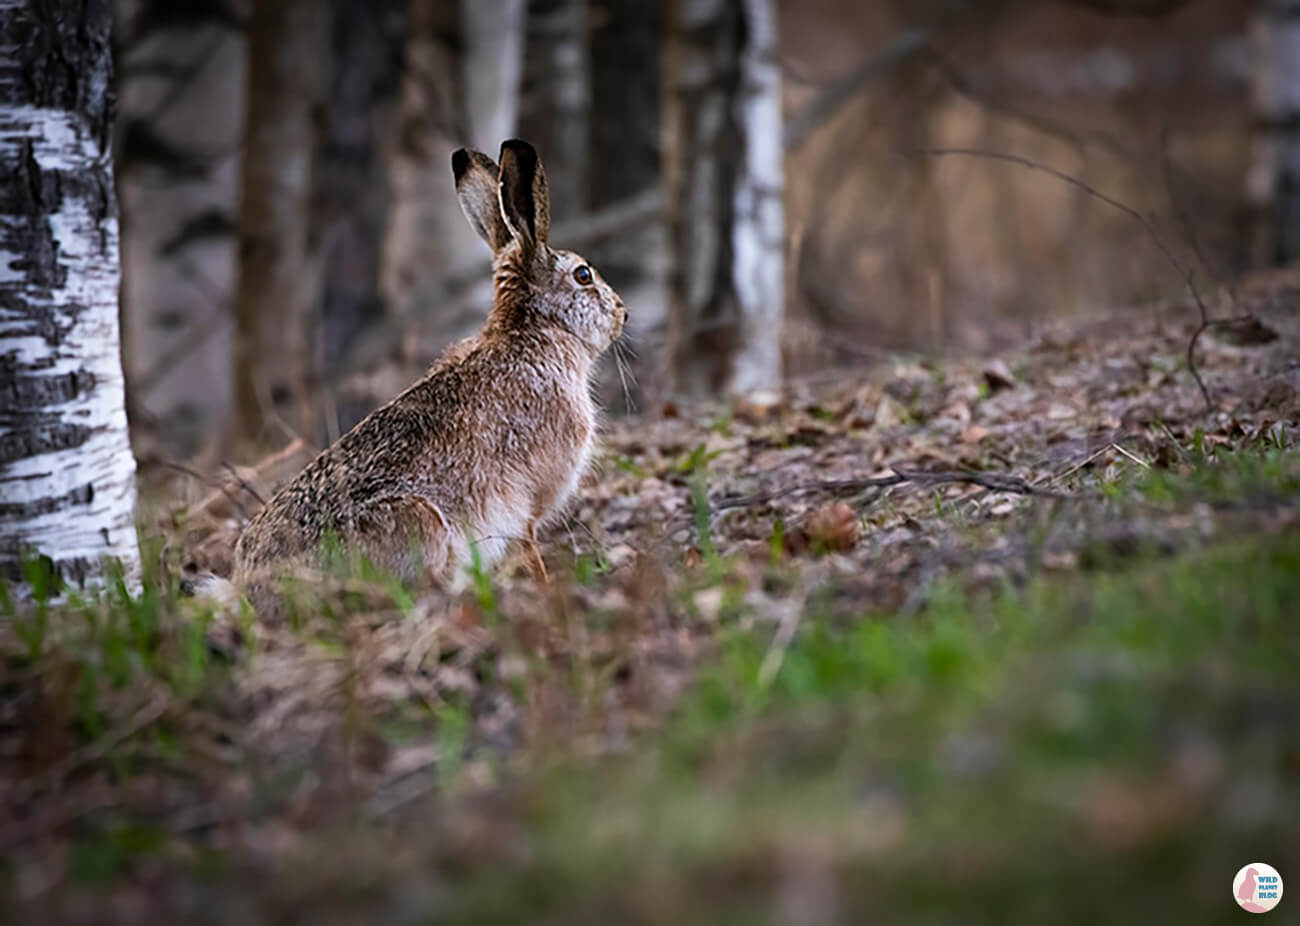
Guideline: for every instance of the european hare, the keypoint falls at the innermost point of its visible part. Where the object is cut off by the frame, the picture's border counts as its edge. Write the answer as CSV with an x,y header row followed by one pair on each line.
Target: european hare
x,y
491,441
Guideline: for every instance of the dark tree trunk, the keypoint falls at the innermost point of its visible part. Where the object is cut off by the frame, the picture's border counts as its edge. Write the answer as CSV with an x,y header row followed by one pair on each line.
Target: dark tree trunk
x,y
274,364
66,467
1273,176
626,43
357,141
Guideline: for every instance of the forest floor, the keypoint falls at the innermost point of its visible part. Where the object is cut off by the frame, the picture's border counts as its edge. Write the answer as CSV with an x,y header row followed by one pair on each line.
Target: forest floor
x,y
1006,641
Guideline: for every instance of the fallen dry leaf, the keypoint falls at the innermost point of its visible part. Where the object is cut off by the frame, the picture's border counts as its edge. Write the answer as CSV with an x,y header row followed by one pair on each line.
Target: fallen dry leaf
x,y
834,527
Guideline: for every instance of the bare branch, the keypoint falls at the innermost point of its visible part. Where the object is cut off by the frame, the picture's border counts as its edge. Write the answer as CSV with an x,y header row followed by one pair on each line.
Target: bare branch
x,y
875,66
1146,223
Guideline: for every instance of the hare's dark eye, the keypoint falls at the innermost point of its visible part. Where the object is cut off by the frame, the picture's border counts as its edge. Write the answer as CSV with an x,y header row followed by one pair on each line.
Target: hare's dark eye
x,y
583,275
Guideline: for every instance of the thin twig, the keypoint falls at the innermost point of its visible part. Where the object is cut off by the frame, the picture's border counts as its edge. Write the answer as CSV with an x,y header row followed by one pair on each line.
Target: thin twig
x,y
1132,456
262,467
243,483
196,475
1056,477
876,65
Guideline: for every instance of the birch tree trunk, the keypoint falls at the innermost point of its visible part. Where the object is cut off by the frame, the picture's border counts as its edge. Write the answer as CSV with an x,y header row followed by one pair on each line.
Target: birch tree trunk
x,y
461,87
1273,176
724,181
274,368
67,476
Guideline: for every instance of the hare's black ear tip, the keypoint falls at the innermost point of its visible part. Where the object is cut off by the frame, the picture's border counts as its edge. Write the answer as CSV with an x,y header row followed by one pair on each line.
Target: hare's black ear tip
x,y
459,162
519,148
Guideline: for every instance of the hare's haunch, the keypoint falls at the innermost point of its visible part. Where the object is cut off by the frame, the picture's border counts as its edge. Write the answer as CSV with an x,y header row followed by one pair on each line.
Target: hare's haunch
x,y
491,441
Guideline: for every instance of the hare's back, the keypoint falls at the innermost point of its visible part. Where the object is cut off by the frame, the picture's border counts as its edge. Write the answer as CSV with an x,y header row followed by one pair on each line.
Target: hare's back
x,y
373,461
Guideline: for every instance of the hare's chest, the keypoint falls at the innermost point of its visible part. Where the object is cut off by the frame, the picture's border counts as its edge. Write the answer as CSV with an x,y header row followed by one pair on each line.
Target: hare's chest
x,y
579,441
577,469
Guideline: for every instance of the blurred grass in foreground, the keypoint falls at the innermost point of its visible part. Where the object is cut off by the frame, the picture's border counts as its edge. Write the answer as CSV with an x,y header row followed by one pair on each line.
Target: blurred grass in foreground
x,y
1108,747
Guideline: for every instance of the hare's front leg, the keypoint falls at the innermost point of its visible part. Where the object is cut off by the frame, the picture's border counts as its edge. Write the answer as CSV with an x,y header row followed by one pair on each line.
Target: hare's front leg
x,y
535,551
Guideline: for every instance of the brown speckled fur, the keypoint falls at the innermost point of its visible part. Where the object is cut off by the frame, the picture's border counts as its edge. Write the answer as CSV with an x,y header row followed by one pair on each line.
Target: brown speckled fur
x,y
490,442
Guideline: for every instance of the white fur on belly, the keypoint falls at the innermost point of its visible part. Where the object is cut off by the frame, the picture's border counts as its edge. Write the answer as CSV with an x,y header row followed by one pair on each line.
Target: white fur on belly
x,y
575,477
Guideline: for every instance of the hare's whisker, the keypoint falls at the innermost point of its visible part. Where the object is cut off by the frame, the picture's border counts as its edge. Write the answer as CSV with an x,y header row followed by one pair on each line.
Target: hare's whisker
x,y
622,375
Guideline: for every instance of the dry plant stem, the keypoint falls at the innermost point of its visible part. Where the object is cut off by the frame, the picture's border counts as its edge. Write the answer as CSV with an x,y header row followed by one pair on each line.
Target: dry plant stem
x,y
1074,468
535,552
261,467
243,484
218,492
1132,213
785,633
1132,456
152,711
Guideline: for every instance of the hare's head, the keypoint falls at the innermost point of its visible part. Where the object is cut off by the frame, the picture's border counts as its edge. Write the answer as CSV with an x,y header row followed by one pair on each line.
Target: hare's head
x,y
509,206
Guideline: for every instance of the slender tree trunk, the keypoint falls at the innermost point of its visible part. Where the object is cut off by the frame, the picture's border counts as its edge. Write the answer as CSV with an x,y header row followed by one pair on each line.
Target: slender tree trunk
x,y
352,199
461,87
1273,176
67,476
274,358
626,39
556,108
723,173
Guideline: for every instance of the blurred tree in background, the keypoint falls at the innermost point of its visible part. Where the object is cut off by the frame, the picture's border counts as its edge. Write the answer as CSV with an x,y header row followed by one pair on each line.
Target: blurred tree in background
x,y
723,178
274,362
1273,177
461,86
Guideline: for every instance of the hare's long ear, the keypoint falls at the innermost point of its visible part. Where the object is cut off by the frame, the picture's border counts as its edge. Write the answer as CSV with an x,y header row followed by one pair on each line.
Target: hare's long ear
x,y
476,188
525,200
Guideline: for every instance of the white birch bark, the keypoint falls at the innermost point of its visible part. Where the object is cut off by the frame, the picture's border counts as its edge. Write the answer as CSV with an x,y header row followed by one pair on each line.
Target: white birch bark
x,y
494,56
67,475
723,175
758,235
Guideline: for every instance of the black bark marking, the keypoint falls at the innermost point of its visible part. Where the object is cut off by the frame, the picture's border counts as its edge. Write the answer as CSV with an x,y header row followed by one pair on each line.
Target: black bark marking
x,y
82,495
41,432
73,571
27,392
64,60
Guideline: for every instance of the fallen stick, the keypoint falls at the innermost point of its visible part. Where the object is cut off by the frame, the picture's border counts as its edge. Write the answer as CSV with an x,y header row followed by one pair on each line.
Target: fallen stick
x,y
992,481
